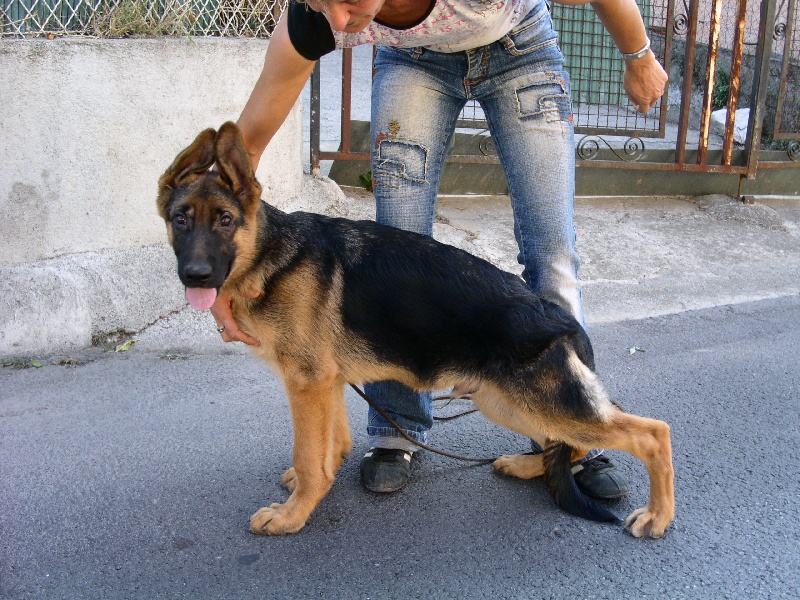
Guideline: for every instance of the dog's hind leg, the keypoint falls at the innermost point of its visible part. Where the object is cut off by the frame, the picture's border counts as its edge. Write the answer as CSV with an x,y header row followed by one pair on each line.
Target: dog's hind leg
x,y
313,406
528,466
497,406
580,416
503,408
649,441
521,466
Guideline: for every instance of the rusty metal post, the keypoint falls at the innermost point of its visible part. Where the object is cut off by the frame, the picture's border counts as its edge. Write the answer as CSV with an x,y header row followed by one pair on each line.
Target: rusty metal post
x,y
315,119
711,76
787,51
758,102
668,34
347,97
686,93
733,92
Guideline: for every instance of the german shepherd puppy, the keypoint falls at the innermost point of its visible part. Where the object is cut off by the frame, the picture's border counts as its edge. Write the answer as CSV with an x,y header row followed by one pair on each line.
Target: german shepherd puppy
x,y
334,301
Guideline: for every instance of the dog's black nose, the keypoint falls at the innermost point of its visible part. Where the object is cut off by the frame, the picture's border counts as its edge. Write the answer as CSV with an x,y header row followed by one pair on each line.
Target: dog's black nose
x,y
197,273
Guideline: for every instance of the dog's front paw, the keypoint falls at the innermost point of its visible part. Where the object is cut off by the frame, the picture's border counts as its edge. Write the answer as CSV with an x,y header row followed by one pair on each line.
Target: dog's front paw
x,y
275,520
646,523
289,479
523,466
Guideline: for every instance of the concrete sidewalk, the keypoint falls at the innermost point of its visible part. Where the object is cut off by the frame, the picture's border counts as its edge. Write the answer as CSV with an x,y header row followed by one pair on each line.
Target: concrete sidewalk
x,y
641,257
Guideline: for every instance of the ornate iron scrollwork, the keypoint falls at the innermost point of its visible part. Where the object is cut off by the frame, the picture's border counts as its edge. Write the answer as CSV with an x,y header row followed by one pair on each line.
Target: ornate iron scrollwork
x,y
779,32
794,150
680,22
486,146
589,147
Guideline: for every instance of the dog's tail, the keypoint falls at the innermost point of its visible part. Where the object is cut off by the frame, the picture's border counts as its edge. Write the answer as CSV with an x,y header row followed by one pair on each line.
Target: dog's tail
x,y
562,486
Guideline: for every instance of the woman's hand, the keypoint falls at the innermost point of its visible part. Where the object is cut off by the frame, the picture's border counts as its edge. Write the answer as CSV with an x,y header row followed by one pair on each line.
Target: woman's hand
x,y
644,82
645,79
226,325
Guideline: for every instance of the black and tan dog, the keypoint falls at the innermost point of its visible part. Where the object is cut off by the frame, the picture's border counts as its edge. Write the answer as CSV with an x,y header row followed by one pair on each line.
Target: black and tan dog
x,y
335,301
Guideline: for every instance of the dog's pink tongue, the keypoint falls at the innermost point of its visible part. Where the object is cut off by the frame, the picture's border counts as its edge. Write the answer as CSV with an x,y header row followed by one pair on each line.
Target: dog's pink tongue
x,y
201,298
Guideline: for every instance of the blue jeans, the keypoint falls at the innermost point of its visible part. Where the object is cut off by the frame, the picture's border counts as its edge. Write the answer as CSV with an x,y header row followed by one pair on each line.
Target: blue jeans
x,y
417,97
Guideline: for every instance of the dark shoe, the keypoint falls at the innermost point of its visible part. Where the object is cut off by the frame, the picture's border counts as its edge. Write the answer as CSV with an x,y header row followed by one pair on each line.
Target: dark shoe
x,y
385,470
599,478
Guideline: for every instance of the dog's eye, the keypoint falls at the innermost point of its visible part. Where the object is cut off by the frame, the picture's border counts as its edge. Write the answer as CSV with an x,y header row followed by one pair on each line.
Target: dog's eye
x,y
179,220
226,221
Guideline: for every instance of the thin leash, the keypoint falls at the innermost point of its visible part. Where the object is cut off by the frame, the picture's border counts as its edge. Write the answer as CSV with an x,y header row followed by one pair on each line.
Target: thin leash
x,y
449,400
392,422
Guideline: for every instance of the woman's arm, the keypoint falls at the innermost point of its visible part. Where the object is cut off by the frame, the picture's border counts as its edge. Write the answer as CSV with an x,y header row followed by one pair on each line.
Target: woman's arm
x,y
644,78
282,78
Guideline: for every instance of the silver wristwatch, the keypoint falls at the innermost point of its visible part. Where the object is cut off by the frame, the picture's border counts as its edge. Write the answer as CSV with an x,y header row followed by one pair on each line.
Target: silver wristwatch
x,y
639,54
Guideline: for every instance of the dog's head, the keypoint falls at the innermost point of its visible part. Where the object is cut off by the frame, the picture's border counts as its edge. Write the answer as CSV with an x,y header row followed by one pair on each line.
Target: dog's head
x,y
210,214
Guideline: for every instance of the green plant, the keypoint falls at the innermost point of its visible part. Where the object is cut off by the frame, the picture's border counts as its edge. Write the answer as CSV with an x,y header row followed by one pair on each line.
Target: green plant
x,y
722,88
366,180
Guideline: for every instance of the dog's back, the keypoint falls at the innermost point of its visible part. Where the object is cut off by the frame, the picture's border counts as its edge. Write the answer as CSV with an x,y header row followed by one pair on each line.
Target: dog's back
x,y
414,302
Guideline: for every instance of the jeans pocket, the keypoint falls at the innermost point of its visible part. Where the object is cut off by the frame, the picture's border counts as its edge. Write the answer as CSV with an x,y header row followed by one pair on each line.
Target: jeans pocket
x,y
397,160
534,33
414,52
547,99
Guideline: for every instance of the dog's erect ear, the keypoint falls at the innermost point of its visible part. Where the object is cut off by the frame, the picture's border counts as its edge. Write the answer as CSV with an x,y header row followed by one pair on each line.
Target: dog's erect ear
x,y
233,162
198,157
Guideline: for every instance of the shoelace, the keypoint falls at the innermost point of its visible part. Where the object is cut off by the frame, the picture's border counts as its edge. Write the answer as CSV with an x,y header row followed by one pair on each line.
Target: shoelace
x,y
596,463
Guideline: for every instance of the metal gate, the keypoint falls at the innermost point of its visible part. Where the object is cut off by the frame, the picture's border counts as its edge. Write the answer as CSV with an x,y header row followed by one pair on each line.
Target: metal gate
x,y
721,55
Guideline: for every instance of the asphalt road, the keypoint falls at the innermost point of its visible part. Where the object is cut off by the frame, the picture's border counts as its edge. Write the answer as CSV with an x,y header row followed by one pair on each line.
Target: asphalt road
x,y
133,475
